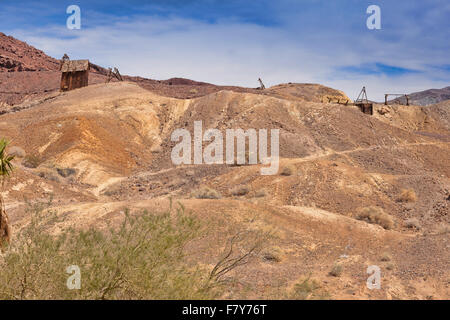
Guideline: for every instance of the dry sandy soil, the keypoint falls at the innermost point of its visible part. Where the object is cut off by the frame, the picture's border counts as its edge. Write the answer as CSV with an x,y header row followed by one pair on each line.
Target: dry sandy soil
x,y
116,138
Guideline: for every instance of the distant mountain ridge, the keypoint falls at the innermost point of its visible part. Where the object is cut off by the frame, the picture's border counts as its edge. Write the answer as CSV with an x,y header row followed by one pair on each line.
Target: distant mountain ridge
x,y
427,97
16,55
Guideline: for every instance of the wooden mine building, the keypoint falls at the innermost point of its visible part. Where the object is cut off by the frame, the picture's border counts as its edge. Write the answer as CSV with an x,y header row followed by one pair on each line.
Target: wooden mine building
x,y
75,74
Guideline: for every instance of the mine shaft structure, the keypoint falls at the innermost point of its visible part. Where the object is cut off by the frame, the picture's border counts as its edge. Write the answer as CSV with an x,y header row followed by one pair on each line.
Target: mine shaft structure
x,y
74,73
113,74
363,103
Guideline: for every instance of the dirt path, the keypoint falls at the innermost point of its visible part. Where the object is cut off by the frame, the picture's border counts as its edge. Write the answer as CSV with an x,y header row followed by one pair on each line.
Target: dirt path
x,y
332,152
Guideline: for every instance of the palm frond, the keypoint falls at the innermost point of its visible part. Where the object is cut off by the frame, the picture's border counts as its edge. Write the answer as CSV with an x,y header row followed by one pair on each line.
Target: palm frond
x,y
6,166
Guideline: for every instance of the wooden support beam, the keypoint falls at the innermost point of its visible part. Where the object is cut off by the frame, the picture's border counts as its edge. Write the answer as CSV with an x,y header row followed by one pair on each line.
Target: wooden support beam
x,y
262,87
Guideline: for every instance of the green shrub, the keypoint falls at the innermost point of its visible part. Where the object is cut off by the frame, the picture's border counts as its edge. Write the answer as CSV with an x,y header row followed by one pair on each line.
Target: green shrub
x,y
240,191
337,270
48,175
207,193
308,289
273,254
65,172
385,257
412,223
261,193
407,195
376,215
141,259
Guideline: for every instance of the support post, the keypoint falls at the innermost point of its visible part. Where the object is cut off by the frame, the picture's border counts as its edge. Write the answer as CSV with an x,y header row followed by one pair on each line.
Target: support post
x,y
262,87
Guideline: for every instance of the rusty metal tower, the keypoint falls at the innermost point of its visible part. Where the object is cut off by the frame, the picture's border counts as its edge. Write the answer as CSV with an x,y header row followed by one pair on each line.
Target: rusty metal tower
x,y
363,103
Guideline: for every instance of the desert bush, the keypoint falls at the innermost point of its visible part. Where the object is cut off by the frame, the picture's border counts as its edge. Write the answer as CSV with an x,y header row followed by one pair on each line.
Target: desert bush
x,y
261,193
66,172
385,257
31,161
412,223
407,195
288,170
240,191
308,289
48,175
337,270
376,215
305,289
390,266
240,250
273,254
207,193
141,259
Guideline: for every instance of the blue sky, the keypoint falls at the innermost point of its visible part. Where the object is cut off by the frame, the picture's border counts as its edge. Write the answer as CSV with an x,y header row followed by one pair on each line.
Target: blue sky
x,y
235,42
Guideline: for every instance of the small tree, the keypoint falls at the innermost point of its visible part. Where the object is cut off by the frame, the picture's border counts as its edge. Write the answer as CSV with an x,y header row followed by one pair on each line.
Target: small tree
x,y
6,168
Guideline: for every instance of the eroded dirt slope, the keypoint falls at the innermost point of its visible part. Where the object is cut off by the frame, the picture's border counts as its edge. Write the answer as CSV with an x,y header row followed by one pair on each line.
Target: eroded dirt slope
x,y
104,148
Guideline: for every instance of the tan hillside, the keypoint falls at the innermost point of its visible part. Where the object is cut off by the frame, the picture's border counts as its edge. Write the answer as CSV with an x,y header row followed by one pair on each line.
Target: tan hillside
x,y
308,92
336,161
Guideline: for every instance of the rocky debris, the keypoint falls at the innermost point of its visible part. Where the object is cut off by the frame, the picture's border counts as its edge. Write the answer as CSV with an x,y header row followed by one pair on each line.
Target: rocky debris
x,y
383,110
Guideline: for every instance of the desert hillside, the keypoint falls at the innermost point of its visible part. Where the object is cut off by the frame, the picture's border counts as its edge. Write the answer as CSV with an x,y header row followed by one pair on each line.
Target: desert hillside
x,y
106,147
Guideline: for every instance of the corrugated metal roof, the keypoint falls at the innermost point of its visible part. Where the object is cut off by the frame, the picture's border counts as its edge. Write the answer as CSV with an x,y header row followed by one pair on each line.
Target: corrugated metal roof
x,y
75,65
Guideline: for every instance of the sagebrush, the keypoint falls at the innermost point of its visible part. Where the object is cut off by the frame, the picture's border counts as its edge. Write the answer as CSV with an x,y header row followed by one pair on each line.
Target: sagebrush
x,y
376,215
143,258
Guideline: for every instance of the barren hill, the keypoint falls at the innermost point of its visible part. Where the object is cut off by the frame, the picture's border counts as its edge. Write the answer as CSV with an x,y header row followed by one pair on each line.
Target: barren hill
x,y
107,147
308,92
